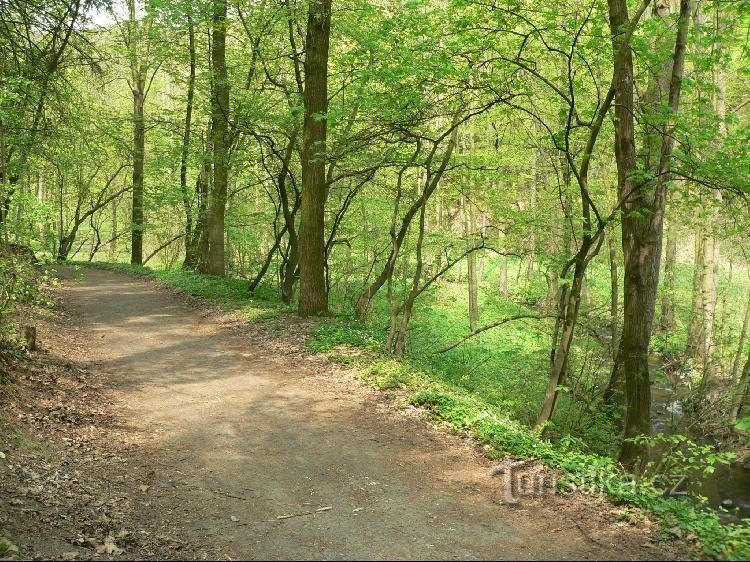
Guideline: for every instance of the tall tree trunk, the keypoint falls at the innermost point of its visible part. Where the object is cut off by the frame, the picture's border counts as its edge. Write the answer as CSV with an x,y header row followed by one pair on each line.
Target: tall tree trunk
x,y
700,338
137,226
217,204
202,191
614,294
711,296
471,265
613,392
744,334
740,392
400,343
113,239
191,256
290,270
667,320
643,217
503,277
313,293
138,87
696,327
536,160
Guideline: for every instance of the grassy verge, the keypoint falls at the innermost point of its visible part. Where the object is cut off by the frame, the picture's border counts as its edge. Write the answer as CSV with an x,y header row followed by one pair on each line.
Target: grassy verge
x,y
230,294
464,408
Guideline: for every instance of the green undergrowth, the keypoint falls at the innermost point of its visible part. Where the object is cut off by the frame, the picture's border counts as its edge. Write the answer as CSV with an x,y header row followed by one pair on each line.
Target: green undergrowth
x,y
230,294
489,423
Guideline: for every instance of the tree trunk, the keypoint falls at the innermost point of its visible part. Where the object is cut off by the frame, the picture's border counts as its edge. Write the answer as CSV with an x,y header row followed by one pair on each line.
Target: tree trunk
x,y
696,326
215,256
313,294
138,86
614,294
744,334
113,239
202,191
568,308
290,269
643,217
667,321
137,227
740,391
471,266
191,256
400,340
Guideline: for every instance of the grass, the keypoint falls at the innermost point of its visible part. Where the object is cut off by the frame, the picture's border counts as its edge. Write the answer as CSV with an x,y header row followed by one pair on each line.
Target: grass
x,y
230,294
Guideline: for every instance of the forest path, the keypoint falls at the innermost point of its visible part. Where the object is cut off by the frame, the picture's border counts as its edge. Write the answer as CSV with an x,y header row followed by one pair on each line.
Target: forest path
x,y
230,436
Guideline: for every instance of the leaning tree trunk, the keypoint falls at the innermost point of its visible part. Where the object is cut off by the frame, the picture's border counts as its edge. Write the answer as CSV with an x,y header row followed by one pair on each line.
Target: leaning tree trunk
x,y
313,293
400,339
568,308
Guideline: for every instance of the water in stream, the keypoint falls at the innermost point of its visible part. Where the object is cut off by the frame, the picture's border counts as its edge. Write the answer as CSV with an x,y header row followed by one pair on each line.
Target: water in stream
x,y
729,486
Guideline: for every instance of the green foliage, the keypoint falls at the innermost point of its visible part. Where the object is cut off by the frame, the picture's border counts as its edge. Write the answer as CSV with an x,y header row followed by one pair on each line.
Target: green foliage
x,y
20,286
679,455
332,333
743,424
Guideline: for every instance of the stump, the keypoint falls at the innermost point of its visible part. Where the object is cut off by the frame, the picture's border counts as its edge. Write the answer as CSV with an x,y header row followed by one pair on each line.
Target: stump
x,y
29,334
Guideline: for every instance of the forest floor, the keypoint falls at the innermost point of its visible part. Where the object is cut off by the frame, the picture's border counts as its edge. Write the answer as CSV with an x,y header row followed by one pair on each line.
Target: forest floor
x,y
152,425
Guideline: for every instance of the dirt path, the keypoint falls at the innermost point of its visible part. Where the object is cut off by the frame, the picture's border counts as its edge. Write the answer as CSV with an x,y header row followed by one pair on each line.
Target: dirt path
x,y
225,436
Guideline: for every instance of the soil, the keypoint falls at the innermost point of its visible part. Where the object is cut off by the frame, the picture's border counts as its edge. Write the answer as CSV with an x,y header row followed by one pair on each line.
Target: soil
x,y
151,425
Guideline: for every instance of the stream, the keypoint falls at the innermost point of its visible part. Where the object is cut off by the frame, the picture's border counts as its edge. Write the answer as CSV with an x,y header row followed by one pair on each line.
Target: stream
x,y
729,486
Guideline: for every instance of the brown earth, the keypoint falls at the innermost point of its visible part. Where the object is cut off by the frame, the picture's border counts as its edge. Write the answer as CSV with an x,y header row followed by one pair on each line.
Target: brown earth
x,y
152,424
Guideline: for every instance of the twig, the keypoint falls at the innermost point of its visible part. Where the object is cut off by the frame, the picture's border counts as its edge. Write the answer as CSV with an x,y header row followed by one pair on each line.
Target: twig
x,y
490,326
229,495
282,517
